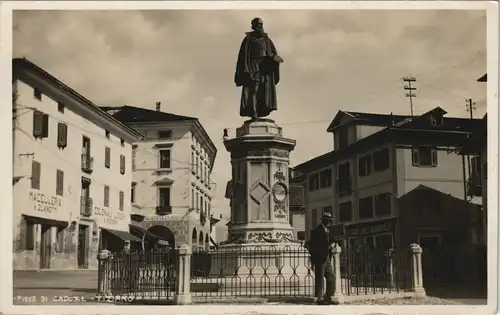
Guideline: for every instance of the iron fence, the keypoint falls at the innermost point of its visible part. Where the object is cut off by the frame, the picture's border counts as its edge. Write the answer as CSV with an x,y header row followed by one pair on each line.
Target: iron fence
x,y
370,271
267,271
140,274
271,272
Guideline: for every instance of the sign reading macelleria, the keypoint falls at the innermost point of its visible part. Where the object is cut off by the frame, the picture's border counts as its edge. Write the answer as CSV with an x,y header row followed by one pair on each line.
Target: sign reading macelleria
x,y
44,203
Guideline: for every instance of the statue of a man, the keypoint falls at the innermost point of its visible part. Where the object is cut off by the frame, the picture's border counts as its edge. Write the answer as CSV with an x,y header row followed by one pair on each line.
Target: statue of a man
x,y
257,71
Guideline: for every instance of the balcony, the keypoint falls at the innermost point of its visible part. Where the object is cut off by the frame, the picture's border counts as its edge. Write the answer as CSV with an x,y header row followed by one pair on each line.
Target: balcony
x,y
87,163
474,186
86,206
162,210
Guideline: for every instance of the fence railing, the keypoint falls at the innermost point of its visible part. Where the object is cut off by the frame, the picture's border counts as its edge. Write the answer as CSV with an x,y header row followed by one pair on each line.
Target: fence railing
x,y
273,272
137,275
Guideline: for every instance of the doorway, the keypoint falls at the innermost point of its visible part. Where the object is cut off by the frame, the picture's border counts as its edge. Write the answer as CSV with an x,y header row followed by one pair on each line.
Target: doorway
x,y
434,267
83,246
45,248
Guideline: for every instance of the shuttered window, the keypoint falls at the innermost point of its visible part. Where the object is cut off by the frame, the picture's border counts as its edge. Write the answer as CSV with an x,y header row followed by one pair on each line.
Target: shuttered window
x,y
106,196
122,164
36,169
59,183
107,157
122,197
40,124
62,135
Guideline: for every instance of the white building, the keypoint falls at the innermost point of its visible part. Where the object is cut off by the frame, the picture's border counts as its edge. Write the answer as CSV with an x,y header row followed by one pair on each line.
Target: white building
x,y
172,189
72,171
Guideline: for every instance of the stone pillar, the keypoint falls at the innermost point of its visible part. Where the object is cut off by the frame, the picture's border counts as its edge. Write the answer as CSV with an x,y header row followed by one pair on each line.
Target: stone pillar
x,y
103,287
183,292
416,271
337,297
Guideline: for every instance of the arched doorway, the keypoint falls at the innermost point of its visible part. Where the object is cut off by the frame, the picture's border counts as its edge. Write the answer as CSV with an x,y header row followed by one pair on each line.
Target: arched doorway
x,y
200,240
194,239
164,233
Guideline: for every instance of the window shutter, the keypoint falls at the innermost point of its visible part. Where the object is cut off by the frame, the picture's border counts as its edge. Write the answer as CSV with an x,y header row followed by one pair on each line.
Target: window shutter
x,y
107,157
45,126
35,174
106,196
121,200
62,135
122,164
415,158
434,157
37,124
60,183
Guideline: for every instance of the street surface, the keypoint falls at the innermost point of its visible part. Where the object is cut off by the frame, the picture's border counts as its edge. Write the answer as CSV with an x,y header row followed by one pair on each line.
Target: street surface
x,y
78,287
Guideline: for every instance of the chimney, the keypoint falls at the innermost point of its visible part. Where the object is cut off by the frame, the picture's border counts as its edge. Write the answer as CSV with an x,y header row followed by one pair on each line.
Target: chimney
x,y
158,106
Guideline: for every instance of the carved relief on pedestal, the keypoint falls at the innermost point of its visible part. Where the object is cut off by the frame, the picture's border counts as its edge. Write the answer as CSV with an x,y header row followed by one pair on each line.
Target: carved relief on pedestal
x,y
280,195
286,237
259,237
270,152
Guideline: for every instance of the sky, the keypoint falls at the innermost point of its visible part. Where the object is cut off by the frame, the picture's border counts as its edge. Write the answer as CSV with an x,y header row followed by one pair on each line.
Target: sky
x,y
333,60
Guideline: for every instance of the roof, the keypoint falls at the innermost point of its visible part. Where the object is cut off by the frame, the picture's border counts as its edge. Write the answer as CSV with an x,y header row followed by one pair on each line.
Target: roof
x,y
131,114
402,136
477,140
23,63
317,162
389,120
422,187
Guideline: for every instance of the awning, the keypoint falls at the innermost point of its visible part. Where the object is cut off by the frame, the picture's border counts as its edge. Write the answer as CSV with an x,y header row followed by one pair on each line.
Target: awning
x,y
126,236
51,222
146,232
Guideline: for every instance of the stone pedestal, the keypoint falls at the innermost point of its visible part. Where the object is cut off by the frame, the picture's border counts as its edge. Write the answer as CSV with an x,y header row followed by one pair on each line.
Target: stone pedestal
x,y
258,190
260,238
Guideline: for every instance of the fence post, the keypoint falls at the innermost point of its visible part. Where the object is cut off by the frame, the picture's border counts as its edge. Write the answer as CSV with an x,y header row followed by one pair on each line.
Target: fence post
x,y
416,270
390,269
103,288
183,292
337,297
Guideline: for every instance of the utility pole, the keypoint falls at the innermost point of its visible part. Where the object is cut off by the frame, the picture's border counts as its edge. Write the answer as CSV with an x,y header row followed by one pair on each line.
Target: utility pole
x,y
410,90
470,107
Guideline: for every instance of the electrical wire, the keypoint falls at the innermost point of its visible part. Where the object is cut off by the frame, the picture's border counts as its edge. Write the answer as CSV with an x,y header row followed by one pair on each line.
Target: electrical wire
x,y
378,92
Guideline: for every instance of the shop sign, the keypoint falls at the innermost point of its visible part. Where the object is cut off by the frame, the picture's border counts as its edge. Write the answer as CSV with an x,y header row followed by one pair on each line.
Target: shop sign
x,y
108,217
45,203
371,229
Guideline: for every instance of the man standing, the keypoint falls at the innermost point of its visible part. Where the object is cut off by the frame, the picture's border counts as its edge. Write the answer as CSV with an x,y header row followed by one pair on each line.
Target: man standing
x,y
257,71
319,247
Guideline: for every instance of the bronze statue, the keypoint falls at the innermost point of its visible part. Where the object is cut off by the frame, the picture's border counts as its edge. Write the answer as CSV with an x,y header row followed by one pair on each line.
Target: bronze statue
x,y
257,71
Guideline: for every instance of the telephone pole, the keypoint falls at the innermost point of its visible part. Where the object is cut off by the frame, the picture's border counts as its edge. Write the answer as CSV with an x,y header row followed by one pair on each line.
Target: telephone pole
x,y
470,107
410,90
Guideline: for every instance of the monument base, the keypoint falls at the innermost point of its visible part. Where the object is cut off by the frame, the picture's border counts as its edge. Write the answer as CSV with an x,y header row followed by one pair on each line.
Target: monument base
x,y
253,261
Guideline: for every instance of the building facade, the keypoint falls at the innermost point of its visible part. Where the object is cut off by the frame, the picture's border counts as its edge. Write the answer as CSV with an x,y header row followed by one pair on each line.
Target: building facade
x,y
71,174
172,188
377,159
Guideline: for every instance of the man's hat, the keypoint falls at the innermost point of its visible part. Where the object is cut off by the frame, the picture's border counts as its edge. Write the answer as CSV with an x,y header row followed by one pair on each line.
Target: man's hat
x,y
327,216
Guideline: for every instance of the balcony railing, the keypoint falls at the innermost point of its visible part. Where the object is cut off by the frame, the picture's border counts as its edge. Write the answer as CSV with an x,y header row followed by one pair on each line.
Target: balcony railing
x,y
86,206
474,186
87,163
162,210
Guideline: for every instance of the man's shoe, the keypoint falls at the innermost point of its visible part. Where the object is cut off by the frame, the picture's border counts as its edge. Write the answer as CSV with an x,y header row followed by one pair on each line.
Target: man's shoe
x,y
320,302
